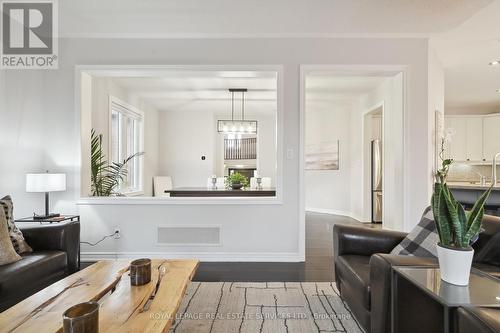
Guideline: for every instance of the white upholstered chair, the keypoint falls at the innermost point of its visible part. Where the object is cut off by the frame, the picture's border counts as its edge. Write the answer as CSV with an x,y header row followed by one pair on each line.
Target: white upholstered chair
x,y
162,184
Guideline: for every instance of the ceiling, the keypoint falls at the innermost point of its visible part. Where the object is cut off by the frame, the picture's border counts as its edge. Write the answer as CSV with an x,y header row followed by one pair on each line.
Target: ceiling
x,y
202,18
466,33
325,87
205,90
465,52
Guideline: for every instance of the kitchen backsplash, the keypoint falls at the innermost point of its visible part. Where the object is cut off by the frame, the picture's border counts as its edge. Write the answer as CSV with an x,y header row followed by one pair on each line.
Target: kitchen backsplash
x,y
467,172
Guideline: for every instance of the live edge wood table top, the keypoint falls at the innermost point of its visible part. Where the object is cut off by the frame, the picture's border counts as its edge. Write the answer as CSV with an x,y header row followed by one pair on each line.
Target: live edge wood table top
x,y
220,192
124,308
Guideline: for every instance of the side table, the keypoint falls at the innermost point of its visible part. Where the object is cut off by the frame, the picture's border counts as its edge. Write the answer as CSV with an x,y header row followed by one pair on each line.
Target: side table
x,y
59,219
422,302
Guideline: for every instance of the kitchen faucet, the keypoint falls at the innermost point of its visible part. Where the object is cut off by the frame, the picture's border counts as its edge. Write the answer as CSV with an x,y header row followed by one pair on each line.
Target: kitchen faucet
x,y
482,179
494,171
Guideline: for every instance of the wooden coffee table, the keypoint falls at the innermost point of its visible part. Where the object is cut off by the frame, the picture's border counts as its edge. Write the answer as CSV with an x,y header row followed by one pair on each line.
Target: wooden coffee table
x,y
124,308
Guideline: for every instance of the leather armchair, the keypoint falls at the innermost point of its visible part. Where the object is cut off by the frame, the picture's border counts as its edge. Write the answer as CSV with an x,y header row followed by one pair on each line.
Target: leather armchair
x,y
363,267
477,320
54,256
353,247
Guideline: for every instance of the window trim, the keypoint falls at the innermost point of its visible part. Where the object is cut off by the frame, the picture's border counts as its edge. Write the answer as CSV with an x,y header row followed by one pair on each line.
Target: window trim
x,y
134,112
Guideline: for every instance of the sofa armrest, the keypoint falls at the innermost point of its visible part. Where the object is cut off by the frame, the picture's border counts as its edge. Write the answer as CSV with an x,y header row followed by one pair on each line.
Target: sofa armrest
x,y
364,241
477,319
380,285
61,237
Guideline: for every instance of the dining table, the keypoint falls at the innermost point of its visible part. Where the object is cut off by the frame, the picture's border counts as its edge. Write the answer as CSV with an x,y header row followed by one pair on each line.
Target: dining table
x,y
220,192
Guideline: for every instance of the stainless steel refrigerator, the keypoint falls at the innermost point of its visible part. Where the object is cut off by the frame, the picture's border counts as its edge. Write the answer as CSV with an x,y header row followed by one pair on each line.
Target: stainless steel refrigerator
x,y
377,181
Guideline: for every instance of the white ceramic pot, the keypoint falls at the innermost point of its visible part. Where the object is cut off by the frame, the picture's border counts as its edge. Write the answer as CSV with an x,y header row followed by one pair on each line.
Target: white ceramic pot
x,y
455,264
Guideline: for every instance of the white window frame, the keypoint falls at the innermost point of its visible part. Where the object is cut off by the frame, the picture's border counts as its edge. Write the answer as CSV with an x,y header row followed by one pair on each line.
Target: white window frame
x,y
129,112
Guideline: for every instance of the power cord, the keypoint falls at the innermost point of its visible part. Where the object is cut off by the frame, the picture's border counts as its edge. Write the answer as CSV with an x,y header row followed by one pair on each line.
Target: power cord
x,y
107,236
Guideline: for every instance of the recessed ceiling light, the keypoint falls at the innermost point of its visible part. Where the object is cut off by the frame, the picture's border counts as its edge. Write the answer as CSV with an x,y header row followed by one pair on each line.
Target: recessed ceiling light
x,y
494,63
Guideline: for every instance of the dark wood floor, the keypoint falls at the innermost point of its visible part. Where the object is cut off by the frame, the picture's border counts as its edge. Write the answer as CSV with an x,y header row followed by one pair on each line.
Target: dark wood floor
x,y
318,266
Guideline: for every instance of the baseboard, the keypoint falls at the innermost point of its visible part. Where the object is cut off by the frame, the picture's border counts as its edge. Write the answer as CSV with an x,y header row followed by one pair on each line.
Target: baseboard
x,y
336,212
202,256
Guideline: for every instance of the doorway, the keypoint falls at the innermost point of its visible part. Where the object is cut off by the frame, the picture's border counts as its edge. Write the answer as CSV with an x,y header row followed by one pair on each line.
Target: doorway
x,y
349,109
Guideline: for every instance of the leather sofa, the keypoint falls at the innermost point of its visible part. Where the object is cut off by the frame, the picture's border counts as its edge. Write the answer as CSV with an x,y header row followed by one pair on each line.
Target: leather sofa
x,y
54,256
363,267
478,320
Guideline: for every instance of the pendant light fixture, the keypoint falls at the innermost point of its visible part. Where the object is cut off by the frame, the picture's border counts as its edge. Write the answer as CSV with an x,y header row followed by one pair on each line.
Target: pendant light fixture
x,y
237,126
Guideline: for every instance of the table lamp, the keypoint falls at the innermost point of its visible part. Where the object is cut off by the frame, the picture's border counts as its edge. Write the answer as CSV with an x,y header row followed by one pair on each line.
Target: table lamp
x,y
45,182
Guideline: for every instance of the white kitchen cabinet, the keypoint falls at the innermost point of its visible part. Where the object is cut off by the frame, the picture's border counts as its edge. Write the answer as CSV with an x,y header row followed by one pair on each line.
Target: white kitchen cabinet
x,y
474,137
491,136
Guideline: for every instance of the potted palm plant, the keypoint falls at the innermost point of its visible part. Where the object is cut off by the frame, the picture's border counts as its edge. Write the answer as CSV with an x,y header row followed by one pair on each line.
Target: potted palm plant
x,y
105,177
457,229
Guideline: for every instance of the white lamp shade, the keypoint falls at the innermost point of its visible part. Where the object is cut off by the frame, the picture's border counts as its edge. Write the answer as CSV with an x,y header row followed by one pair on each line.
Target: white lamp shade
x,y
45,182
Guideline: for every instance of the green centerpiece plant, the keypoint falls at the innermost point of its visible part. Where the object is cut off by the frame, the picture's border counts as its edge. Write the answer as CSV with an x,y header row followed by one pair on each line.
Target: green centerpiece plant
x,y
456,227
236,181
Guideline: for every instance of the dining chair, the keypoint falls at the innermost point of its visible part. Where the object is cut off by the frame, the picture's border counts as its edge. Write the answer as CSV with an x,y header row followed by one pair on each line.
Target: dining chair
x,y
162,184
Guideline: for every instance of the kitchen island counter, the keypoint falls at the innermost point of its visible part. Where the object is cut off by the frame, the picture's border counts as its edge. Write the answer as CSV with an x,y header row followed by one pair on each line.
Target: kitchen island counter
x,y
467,193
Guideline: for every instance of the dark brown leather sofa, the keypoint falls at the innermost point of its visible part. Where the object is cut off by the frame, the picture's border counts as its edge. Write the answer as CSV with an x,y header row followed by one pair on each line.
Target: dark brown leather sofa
x,y
363,267
478,320
54,256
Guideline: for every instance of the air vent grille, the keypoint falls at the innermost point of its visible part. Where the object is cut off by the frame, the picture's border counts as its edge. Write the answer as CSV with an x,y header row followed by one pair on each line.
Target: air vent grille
x,y
189,235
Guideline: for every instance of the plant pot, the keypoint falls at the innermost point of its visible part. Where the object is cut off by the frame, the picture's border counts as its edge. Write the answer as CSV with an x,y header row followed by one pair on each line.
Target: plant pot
x,y
455,264
236,186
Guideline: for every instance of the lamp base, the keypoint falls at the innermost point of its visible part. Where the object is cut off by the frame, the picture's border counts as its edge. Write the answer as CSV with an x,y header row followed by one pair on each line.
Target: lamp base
x,y
45,217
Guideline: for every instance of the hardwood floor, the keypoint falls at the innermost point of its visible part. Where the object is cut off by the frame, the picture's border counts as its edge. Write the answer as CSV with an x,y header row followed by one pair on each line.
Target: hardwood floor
x,y
318,266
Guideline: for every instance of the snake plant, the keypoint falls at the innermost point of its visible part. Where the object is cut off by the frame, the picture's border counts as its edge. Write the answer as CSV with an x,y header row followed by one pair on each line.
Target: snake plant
x,y
456,227
105,177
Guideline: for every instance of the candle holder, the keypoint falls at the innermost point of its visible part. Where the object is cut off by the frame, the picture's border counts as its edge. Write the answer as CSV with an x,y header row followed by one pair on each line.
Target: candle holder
x,y
214,183
259,183
140,272
82,318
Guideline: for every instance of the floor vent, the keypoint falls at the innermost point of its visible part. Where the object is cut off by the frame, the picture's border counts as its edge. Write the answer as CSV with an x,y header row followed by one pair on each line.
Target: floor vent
x,y
189,235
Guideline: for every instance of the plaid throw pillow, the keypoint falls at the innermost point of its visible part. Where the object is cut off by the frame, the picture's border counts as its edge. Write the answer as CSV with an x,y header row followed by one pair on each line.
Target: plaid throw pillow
x,y
422,240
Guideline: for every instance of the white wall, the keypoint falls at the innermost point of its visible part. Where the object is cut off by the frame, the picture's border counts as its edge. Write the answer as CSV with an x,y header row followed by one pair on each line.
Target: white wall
x,y
33,101
436,103
328,191
152,154
184,138
266,145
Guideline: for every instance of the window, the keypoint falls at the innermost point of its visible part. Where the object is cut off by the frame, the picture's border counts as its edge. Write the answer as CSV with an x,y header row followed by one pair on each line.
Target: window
x,y
126,138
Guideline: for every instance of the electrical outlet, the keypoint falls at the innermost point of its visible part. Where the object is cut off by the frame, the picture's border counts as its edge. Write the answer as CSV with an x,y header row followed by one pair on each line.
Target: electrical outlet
x,y
118,233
